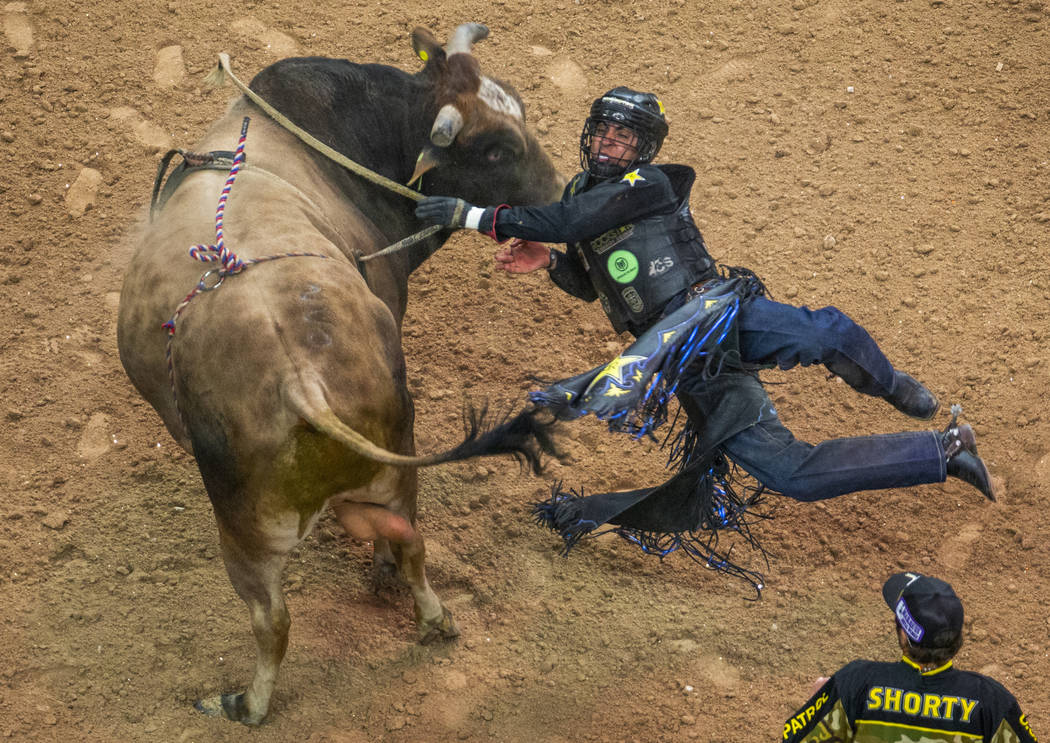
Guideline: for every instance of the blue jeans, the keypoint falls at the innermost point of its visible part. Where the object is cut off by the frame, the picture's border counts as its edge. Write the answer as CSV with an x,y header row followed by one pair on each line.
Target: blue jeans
x,y
788,336
774,457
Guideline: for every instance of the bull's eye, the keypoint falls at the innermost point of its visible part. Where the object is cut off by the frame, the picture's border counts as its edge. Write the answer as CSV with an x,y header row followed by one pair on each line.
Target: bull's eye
x,y
495,154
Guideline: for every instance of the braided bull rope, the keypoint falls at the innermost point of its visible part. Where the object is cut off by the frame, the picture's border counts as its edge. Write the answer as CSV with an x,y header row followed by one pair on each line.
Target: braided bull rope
x,y
218,252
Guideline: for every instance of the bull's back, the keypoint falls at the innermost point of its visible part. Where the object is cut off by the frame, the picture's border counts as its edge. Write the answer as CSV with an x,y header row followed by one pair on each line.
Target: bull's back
x,y
276,323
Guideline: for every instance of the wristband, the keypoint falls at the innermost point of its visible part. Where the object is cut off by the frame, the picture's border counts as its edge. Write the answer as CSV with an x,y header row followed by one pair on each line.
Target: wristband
x,y
492,232
473,218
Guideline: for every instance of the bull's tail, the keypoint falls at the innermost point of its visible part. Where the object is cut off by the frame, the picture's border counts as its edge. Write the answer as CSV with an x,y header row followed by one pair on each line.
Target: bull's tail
x,y
525,436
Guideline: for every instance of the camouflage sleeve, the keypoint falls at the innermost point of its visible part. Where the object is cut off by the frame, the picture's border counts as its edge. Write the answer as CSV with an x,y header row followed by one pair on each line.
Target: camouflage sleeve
x,y
822,719
1014,728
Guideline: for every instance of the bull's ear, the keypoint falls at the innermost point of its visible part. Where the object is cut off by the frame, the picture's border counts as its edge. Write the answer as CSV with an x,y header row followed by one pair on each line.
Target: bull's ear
x,y
427,47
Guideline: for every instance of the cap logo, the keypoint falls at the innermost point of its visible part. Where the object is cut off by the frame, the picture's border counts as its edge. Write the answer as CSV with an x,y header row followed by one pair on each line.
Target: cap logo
x,y
912,629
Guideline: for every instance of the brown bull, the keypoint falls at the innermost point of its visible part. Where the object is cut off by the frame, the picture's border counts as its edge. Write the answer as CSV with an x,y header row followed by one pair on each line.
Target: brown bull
x,y
287,382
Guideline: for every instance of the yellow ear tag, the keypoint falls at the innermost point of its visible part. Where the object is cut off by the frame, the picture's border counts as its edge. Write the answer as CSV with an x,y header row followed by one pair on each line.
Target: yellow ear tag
x,y
423,55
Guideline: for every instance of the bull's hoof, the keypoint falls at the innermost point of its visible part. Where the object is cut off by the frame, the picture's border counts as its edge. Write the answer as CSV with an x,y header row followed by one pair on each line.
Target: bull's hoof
x,y
440,629
229,706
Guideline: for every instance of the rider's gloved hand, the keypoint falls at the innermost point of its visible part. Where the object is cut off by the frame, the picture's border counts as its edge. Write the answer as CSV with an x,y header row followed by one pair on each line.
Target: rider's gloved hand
x,y
448,211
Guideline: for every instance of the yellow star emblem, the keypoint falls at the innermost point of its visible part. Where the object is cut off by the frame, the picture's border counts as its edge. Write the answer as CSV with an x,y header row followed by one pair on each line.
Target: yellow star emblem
x,y
616,368
632,177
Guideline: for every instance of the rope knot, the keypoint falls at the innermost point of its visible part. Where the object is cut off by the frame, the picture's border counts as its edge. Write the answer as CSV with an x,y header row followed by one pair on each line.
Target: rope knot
x,y
231,264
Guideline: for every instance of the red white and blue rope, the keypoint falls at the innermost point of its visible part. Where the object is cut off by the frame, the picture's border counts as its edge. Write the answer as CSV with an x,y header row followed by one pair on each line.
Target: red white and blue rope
x,y
231,264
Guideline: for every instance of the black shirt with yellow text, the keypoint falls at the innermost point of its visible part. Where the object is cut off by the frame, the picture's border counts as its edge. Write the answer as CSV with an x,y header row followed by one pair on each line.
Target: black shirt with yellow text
x,y
872,702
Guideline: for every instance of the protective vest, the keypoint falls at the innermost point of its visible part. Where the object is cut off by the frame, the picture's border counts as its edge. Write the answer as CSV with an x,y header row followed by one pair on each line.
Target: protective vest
x,y
636,268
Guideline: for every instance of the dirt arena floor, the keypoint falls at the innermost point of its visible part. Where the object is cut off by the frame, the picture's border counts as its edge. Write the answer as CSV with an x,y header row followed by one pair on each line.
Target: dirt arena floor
x,y
890,158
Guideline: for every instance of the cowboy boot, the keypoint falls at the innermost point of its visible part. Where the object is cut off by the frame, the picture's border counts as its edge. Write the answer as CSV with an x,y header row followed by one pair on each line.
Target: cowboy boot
x,y
960,450
911,397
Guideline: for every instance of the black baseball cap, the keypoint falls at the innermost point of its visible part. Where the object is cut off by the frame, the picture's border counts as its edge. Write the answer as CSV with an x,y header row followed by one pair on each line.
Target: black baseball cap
x,y
927,609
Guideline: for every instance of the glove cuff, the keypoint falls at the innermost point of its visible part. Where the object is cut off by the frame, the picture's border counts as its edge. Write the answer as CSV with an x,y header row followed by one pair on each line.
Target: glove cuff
x,y
473,219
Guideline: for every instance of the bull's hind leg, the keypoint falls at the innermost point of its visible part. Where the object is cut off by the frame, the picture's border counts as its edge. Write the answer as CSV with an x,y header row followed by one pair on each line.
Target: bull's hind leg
x,y
395,532
433,620
257,579
384,566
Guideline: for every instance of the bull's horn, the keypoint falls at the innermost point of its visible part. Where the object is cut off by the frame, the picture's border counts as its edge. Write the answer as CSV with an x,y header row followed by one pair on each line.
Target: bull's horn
x,y
464,37
446,126
428,158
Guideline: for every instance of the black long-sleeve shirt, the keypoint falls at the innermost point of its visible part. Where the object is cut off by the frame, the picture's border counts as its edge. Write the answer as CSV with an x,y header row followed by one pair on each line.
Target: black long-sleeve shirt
x,y
870,702
591,207
588,208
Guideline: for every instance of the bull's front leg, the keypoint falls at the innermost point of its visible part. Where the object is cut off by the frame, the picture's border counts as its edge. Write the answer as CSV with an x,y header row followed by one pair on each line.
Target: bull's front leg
x,y
257,579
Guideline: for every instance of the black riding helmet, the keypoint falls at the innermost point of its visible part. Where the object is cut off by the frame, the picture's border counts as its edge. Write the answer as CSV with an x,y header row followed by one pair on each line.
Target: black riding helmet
x,y
642,113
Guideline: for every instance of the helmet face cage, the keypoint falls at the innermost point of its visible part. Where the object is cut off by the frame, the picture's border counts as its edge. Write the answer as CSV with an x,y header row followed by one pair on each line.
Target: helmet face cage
x,y
642,113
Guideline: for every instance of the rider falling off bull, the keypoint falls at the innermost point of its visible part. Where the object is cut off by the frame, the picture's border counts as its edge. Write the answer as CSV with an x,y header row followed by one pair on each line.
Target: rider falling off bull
x,y
632,244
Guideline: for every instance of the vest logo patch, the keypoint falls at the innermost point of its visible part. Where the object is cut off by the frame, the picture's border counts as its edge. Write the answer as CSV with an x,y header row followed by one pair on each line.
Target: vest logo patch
x,y
613,237
632,177
660,266
622,266
634,301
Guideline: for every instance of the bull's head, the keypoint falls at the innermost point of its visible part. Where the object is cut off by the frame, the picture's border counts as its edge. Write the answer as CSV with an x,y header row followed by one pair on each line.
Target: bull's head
x,y
478,148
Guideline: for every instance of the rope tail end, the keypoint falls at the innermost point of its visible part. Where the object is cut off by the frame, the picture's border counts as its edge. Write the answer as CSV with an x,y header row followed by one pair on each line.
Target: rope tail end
x,y
217,77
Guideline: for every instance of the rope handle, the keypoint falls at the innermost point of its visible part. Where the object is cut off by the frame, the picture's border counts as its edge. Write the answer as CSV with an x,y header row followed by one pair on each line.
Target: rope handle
x,y
218,252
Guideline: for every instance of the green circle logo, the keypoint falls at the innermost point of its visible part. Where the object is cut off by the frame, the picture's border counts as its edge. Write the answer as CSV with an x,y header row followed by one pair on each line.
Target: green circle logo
x,y
623,266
